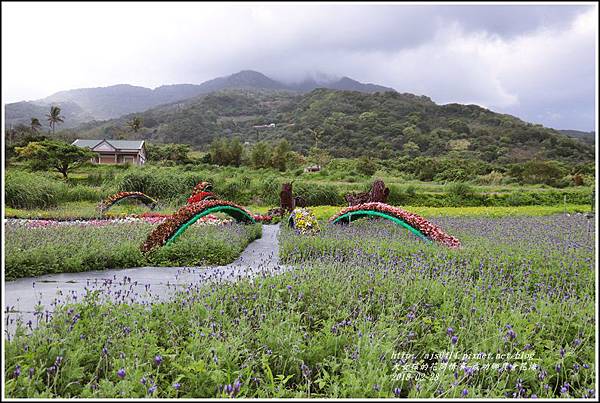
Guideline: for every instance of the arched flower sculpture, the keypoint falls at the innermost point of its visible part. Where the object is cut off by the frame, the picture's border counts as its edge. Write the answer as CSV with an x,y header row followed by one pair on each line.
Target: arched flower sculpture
x,y
415,223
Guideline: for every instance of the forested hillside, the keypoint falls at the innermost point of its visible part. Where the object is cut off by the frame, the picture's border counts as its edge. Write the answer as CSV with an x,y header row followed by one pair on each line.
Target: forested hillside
x,y
348,124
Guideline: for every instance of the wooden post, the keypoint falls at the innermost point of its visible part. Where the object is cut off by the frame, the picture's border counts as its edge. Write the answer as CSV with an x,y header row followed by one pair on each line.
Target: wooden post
x,y
565,204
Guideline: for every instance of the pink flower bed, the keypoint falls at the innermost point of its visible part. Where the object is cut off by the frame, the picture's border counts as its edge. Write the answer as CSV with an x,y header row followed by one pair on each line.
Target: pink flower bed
x,y
428,229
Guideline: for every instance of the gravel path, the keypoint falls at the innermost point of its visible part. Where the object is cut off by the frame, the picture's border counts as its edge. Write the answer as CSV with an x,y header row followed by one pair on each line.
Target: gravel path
x,y
139,284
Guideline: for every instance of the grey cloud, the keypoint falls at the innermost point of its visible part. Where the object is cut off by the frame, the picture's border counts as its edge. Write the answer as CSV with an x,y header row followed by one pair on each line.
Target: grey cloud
x,y
522,59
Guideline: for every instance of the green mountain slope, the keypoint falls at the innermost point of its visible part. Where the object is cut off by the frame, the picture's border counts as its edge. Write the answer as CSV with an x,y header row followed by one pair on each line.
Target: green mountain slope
x,y
351,124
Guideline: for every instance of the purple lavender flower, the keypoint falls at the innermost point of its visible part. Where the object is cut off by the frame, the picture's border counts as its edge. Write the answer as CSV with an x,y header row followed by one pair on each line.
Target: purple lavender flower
x,y
176,386
143,380
17,371
31,372
121,373
397,392
449,331
151,389
454,339
158,359
465,392
305,370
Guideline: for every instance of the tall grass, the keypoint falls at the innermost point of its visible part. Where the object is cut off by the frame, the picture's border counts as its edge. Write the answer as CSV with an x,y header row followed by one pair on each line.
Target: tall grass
x,y
28,190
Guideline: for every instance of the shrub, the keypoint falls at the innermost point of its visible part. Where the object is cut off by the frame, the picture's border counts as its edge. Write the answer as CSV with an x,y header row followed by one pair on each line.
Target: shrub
x,y
33,190
460,190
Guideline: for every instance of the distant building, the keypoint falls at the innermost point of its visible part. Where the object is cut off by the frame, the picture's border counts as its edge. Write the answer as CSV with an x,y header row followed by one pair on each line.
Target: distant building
x,y
115,151
270,125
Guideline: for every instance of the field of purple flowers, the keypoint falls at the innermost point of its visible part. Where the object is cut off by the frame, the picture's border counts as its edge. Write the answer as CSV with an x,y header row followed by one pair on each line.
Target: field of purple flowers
x,y
367,311
36,247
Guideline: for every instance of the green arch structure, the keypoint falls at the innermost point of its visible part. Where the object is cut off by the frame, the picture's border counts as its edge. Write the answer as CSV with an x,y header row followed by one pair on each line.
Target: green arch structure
x,y
355,215
238,214
175,225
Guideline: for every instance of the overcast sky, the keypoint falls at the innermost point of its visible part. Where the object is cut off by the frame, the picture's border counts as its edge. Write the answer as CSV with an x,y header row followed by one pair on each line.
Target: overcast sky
x,y
534,61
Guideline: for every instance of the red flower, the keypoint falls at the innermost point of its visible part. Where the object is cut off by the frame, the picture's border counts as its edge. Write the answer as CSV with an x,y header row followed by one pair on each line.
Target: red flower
x,y
262,218
428,229
198,197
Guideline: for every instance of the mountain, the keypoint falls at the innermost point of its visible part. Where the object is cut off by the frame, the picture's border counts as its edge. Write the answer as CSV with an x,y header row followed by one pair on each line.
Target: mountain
x,y
243,79
20,113
586,137
117,100
380,124
111,102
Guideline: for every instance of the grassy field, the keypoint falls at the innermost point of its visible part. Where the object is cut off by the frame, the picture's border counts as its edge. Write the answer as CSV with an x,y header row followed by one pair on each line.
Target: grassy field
x,y
363,304
71,210
172,185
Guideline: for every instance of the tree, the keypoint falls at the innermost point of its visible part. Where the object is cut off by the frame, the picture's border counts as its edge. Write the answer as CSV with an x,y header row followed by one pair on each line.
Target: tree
x,y
168,152
218,151
135,124
52,154
35,125
235,151
411,149
259,156
281,155
317,134
54,117
319,156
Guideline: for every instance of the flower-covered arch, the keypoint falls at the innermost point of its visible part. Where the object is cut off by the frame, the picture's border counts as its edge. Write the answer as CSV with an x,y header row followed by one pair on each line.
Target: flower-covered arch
x,y
413,222
176,224
120,196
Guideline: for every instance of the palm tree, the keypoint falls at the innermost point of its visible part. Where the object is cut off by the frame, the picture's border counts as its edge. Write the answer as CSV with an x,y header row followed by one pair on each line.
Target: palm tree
x,y
35,125
54,117
135,124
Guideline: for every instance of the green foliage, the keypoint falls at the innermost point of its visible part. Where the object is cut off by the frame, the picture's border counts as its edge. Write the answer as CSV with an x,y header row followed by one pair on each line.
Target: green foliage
x,y
353,124
537,171
460,190
226,151
51,154
168,152
28,190
281,155
260,157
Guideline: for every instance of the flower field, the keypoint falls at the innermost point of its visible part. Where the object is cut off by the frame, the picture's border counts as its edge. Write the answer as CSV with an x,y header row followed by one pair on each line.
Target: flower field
x,y
368,311
36,247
